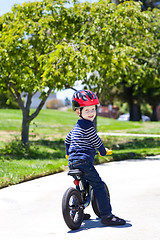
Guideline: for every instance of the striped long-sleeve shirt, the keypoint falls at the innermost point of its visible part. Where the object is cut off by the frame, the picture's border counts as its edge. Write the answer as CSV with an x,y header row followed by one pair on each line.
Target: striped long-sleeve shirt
x,y
83,141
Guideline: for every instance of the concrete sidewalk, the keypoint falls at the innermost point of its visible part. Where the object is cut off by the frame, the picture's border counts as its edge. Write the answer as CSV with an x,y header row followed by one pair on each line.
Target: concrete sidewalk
x,y
32,210
128,134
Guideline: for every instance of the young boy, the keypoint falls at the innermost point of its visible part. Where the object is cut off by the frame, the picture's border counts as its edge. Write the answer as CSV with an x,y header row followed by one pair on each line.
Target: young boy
x,y
81,145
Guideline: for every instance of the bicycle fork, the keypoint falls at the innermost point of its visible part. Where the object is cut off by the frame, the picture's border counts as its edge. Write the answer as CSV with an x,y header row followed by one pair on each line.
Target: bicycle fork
x,y
85,192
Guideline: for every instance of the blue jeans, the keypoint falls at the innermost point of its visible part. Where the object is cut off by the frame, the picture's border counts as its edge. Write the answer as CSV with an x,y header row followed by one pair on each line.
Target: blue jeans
x,y
92,176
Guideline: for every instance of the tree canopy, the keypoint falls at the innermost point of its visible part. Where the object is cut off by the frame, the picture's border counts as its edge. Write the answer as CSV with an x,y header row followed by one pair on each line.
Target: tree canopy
x,y
48,45
126,41
36,53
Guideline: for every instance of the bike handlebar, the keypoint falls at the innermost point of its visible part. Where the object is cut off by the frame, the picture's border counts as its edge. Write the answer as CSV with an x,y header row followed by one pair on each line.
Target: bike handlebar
x,y
109,152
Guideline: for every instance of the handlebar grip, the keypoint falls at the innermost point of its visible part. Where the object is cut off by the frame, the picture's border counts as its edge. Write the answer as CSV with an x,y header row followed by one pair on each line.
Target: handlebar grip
x,y
109,152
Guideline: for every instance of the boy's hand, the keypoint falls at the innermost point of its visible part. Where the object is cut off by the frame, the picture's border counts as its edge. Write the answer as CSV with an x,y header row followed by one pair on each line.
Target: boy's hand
x,y
108,152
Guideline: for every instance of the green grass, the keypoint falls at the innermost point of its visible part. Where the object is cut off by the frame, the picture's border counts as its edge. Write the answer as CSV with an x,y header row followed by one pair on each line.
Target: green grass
x,y
112,125
19,163
46,154
50,122
13,171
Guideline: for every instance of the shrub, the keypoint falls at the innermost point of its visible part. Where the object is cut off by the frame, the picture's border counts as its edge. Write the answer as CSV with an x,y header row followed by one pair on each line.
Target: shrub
x,y
54,104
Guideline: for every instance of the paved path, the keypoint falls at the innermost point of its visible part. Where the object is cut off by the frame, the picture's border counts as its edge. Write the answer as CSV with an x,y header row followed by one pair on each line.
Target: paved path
x,y
129,134
32,210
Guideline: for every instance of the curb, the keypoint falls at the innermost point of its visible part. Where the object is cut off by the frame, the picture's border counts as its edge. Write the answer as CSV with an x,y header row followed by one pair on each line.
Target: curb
x,y
153,157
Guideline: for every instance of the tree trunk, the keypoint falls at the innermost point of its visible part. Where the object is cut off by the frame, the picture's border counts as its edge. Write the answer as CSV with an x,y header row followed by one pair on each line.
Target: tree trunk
x,y
25,128
134,108
154,113
95,123
26,109
95,120
135,112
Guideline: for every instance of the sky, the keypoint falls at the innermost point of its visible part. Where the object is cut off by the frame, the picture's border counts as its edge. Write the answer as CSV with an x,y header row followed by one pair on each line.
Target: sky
x,y
5,6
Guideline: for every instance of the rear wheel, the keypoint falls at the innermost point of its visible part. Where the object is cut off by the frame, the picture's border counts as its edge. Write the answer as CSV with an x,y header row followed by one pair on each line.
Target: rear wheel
x,y
94,201
72,208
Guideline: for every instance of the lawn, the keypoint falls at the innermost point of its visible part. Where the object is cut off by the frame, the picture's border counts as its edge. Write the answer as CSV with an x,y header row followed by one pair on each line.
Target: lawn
x,y
49,123
46,154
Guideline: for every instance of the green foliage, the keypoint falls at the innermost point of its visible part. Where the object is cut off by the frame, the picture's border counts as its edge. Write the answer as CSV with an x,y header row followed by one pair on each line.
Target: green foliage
x,y
18,149
34,34
146,109
47,43
123,107
126,41
45,46
6,101
41,149
124,148
138,143
37,54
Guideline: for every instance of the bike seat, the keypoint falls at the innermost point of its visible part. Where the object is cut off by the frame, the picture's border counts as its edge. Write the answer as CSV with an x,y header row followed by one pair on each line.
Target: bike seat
x,y
75,172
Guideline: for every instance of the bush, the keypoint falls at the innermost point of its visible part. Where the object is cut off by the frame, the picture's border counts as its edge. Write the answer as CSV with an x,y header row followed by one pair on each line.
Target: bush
x,y
146,110
54,104
18,149
41,149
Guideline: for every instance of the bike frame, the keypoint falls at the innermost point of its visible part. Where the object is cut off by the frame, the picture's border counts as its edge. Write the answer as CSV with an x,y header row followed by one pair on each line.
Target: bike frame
x,y
86,197
75,200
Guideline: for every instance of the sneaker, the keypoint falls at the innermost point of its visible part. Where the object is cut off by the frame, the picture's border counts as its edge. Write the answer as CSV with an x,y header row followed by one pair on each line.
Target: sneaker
x,y
113,221
86,216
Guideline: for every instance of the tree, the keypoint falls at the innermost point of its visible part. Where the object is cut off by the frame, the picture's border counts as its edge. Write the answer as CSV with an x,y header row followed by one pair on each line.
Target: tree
x,y
143,59
46,46
37,53
146,4
126,43
152,96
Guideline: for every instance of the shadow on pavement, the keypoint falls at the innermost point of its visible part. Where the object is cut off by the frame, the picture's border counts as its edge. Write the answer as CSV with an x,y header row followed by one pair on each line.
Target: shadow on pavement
x,y
95,223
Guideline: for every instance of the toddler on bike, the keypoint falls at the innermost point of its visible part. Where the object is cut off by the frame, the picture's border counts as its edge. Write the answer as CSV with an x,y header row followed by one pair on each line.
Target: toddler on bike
x,y
81,145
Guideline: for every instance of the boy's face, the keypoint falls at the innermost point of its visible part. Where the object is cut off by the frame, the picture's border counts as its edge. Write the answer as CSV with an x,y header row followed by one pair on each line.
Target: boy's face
x,y
88,112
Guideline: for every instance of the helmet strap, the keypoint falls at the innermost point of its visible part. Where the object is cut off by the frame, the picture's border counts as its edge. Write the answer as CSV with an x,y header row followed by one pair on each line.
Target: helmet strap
x,y
81,112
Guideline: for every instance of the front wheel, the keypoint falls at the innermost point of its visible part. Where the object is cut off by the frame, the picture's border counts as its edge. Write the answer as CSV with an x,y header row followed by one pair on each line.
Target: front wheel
x,y
72,208
94,201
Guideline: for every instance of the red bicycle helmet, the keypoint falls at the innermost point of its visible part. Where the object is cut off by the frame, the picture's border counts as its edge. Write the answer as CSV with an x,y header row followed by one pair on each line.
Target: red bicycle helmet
x,y
84,98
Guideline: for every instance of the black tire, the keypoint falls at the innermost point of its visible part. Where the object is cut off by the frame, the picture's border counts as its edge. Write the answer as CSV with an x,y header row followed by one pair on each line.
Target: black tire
x,y
72,209
94,202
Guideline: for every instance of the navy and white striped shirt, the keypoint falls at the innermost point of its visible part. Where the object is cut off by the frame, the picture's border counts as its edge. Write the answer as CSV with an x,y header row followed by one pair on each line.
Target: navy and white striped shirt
x,y
83,141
